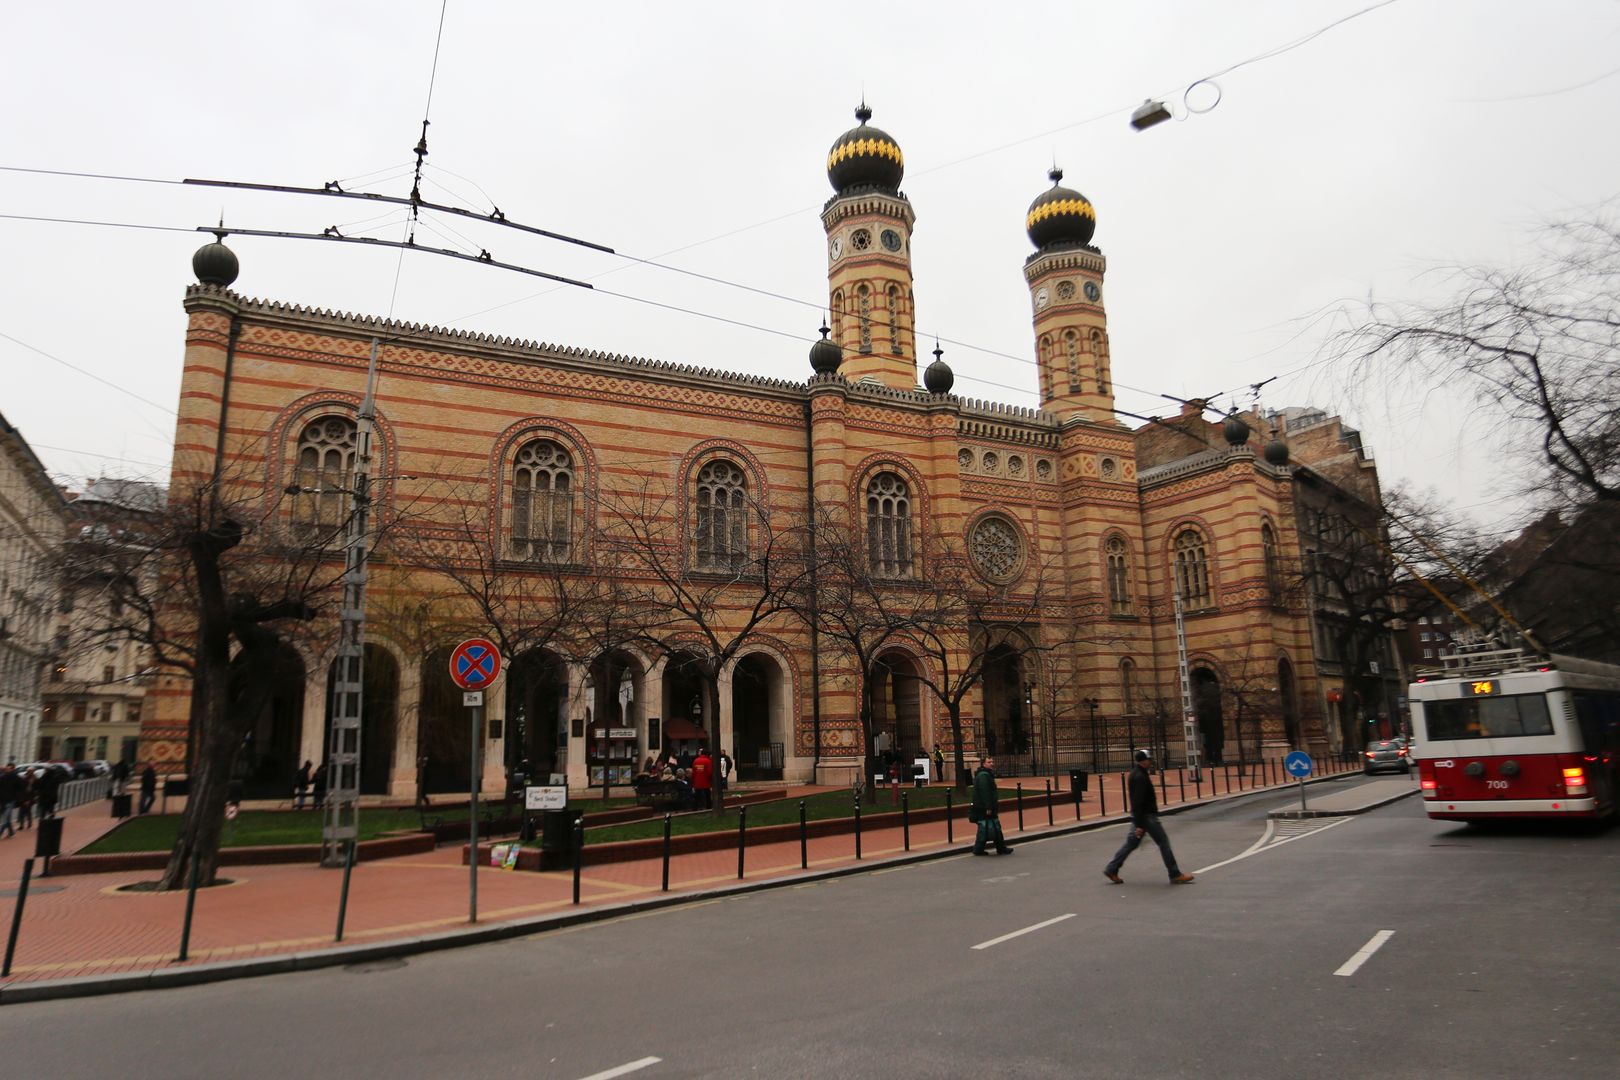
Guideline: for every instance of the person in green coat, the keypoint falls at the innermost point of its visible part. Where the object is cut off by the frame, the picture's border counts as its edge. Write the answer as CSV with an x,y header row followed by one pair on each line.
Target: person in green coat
x,y
983,811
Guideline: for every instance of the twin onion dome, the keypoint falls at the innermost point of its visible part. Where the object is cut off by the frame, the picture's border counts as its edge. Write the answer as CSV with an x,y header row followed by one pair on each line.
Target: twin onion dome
x,y
215,264
865,157
1060,217
825,355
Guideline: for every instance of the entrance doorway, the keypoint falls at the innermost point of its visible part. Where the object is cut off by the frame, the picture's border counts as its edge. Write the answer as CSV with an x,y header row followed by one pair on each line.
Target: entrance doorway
x,y
379,708
1007,729
268,758
444,736
536,695
1206,688
756,691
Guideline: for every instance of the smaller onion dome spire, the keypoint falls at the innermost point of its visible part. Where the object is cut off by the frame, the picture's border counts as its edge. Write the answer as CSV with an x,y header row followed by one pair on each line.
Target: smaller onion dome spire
x,y
1060,216
938,378
1235,429
215,264
865,157
825,355
1276,451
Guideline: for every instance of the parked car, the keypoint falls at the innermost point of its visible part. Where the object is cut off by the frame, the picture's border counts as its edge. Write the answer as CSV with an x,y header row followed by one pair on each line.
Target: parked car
x,y
94,767
1386,755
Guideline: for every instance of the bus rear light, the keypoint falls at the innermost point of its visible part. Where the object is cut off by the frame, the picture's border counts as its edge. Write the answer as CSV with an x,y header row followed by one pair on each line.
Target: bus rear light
x,y
1429,789
1575,781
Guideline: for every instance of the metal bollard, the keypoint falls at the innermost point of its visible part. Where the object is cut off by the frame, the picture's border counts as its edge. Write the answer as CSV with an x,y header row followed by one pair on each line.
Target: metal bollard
x,y
1019,795
343,897
857,827
804,841
1198,783
905,818
16,916
579,852
742,837
1076,795
668,818
1049,819
191,904
1164,794
1102,795
950,826
1181,783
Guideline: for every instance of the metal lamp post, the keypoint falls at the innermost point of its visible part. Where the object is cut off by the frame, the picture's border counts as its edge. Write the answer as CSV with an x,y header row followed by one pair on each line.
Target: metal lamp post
x,y
1092,703
1029,700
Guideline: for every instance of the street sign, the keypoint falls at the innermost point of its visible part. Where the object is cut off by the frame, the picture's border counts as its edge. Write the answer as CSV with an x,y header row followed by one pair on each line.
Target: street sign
x,y
472,697
1297,764
545,798
230,811
475,663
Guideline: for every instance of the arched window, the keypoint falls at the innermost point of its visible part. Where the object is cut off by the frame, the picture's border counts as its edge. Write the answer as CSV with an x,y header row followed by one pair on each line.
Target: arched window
x,y
324,473
722,523
863,299
894,321
1268,547
1127,686
1047,356
542,502
837,314
1099,352
1071,351
1192,569
888,525
1119,580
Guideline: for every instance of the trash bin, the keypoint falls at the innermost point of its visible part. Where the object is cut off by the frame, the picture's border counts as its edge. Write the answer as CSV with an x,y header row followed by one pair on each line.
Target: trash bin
x,y
120,805
557,838
1079,780
47,837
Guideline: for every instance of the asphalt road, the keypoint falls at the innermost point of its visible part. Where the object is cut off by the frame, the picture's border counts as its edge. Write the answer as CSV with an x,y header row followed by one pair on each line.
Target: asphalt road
x,y
1504,962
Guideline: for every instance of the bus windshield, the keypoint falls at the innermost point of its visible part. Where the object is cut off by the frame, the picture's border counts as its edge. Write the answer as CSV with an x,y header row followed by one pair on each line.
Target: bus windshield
x,y
1487,718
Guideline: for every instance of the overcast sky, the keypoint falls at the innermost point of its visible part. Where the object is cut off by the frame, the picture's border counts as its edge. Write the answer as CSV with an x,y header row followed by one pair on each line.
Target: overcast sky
x,y
1421,134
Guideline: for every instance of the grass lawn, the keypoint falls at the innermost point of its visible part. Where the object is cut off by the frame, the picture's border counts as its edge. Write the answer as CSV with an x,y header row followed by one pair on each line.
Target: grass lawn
x,y
830,804
259,828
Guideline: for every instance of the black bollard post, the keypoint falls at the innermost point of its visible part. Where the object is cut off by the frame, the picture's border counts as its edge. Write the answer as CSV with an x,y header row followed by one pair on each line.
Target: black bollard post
x,y
1227,770
1049,820
1164,794
667,819
1076,793
905,818
579,852
950,826
1181,783
804,842
1018,790
1102,794
343,896
16,916
191,904
742,837
857,826
1198,783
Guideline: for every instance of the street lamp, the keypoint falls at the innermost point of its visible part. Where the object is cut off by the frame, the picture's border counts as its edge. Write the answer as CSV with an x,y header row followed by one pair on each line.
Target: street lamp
x,y
1092,703
1029,700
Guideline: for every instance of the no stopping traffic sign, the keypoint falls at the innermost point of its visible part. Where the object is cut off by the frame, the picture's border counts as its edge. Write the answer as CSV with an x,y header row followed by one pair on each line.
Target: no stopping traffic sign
x,y
475,663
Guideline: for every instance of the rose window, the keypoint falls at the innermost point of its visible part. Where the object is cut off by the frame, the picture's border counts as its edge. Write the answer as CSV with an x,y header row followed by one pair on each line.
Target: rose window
x,y
995,548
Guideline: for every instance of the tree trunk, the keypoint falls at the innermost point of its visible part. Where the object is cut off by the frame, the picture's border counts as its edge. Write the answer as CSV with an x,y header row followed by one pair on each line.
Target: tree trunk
x,y
962,778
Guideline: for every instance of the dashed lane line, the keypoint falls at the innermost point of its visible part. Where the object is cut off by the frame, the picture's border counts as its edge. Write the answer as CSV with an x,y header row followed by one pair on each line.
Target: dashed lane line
x,y
1025,930
1376,942
621,1070
1268,842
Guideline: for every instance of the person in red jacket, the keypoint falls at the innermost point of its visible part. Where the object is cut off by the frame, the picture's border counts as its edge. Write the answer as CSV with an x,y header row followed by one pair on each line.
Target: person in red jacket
x,y
703,778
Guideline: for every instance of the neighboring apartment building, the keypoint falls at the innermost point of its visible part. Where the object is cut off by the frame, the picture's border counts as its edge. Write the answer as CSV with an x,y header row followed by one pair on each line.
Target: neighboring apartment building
x,y
33,514
95,687
536,439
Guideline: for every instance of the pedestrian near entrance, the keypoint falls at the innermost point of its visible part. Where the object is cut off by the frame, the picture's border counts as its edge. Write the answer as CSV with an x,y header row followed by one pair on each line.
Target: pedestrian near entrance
x,y
301,785
983,812
703,779
46,791
148,789
318,783
939,765
725,774
1145,822
11,790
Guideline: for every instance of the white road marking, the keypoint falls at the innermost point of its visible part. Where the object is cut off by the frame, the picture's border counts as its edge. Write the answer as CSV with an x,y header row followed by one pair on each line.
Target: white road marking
x,y
1021,933
1350,966
1260,845
623,1069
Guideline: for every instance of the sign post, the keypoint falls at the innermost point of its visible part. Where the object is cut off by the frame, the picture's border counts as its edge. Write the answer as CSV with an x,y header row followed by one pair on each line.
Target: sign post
x,y
1298,765
474,665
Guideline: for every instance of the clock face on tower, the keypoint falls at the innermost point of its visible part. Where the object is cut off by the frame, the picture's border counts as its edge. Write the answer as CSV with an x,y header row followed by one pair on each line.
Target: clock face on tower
x,y
836,248
1092,292
891,239
1041,297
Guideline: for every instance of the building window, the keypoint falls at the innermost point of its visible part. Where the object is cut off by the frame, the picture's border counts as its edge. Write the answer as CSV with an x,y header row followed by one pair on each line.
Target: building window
x,y
1192,569
894,321
1071,352
1268,548
107,673
863,300
722,523
1428,654
132,713
1099,351
542,502
326,452
995,548
888,525
1127,686
1119,580
838,315
79,710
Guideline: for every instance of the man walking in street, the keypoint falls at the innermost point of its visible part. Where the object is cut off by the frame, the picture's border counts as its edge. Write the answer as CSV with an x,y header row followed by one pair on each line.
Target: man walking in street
x,y
1145,821
148,789
983,812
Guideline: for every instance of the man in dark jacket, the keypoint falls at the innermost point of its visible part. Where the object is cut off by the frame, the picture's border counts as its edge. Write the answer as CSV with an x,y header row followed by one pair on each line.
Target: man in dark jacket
x,y
1145,821
11,793
50,785
148,789
983,811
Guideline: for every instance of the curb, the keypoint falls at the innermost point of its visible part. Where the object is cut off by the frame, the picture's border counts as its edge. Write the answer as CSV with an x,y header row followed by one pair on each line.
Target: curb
x,y
340,955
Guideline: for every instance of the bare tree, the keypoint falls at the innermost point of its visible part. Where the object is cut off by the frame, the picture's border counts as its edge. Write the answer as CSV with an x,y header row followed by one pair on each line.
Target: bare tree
x,y
1536,345
703,594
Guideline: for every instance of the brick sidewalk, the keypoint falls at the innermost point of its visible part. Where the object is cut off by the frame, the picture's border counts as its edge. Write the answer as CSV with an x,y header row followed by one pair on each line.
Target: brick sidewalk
x,y
82,925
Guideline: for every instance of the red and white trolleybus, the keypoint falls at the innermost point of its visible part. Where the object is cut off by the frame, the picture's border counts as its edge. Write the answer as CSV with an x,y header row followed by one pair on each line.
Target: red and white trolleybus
x,y
1504,733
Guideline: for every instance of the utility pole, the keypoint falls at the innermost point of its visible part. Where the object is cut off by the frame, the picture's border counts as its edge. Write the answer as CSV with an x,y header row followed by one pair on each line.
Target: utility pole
x,y
1189,717
342,826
